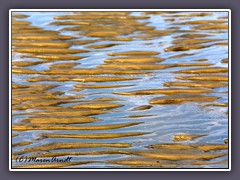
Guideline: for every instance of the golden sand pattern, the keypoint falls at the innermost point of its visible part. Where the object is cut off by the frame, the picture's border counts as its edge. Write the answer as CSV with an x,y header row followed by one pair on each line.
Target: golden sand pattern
x,y
94,116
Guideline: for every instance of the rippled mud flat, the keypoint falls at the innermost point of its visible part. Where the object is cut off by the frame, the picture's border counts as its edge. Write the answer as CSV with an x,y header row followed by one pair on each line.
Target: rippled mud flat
x,y
120,89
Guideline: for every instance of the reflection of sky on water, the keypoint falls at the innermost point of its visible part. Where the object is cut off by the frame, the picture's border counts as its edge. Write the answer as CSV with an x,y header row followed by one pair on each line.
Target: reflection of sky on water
x,y
167,120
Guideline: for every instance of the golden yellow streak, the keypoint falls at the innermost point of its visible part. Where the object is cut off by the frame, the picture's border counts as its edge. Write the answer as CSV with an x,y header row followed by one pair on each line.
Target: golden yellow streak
x,y
96,127
94,136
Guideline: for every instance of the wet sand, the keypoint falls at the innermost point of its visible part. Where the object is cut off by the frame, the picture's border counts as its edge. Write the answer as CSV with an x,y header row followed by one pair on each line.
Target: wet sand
x,y
120,89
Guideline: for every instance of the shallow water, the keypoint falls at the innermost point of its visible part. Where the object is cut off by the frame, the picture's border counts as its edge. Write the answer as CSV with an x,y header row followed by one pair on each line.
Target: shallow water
x,y
161,122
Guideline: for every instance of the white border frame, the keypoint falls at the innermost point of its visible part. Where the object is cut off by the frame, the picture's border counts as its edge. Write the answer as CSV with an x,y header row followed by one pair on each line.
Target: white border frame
x,y
137,10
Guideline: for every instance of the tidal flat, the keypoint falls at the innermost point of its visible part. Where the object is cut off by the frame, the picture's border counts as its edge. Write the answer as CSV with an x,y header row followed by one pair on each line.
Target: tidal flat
x,y
120,89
